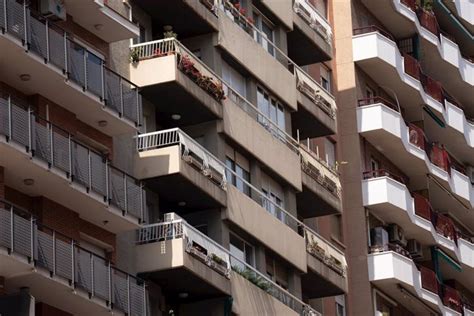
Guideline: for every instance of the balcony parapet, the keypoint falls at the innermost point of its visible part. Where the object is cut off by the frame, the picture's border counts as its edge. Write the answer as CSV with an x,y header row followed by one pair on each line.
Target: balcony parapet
x,y
63,259
220,259
77,62
60,151
314,19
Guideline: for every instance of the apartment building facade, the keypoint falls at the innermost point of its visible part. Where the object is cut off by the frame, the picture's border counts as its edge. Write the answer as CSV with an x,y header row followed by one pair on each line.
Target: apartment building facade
x,y
405,84
169,158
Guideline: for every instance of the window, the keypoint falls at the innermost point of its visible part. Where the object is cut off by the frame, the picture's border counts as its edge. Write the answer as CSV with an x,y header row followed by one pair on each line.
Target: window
x,y
241,250
374,164
276,271
274,193
142,37
330,152
266,36
369,92
240,165
340,305
325,78
272,109
234,79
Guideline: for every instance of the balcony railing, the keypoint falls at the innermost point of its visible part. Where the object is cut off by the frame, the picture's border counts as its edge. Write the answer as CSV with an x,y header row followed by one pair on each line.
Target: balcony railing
x,y
378,99
305,82
63,258
46,40
171,46
82,165
197,242
428,20
320,171
429,281
371,174
322,249
423,207
191,152
314,18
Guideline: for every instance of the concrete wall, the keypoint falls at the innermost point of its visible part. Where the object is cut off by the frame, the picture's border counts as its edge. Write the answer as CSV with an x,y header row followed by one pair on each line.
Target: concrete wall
x,y
257,61
159,256
153,71
251,135
249,216
157,162
282,9
251,300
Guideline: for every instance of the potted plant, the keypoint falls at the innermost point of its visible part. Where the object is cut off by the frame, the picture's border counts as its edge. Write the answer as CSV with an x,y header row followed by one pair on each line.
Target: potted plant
x,y
135,55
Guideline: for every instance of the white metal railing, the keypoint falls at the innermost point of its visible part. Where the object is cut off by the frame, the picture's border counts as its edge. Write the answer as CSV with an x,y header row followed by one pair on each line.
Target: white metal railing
x,y
60,151
172,136
315,19
181,229
327,176
240,19
175,136
172,46
43,38
178,229
62,257
315,92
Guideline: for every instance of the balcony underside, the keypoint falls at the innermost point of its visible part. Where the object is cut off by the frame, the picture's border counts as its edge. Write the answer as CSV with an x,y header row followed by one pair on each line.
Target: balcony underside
x,y
189,17
315,199
53,291
51,83
54,185
311,120
305,45
89,14
321,281
183,97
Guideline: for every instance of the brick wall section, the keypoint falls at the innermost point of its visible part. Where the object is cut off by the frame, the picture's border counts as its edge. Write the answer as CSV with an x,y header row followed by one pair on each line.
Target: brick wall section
x,y
42,309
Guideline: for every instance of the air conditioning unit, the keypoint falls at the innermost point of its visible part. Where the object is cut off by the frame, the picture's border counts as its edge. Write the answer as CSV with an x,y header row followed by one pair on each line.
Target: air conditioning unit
x,y
470,173
396,235
169,217
414,248
53,9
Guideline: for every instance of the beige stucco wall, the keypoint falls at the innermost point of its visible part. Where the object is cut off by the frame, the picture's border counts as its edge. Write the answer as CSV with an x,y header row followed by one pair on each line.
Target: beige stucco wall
x,y
259,62
160,255
282,9
251,300
249,215
153,71
157,162
247,132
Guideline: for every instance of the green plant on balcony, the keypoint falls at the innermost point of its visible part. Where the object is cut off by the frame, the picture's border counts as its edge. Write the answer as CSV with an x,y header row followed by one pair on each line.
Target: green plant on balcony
x,y
253,277
218,259
135,55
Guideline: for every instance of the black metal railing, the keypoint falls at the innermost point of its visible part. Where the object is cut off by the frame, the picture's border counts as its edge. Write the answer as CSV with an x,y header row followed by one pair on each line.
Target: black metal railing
x,y
61,151
81,66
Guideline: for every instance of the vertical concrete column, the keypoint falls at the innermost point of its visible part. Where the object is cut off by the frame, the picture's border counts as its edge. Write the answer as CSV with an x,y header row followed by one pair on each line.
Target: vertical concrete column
x,y
2,182
294,284
255,179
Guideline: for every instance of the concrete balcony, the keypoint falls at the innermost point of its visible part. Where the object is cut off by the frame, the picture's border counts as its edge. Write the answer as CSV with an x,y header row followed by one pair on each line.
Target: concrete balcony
x,y
384,128
441,55
100,19
310,41
173,246
316,115
392,201
463,9
281,10
179,257
398,276
64,170
327,268
179,168
280,234
189,18
321,193
248,127
40,58
165,68
267,65
379,56
60,273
